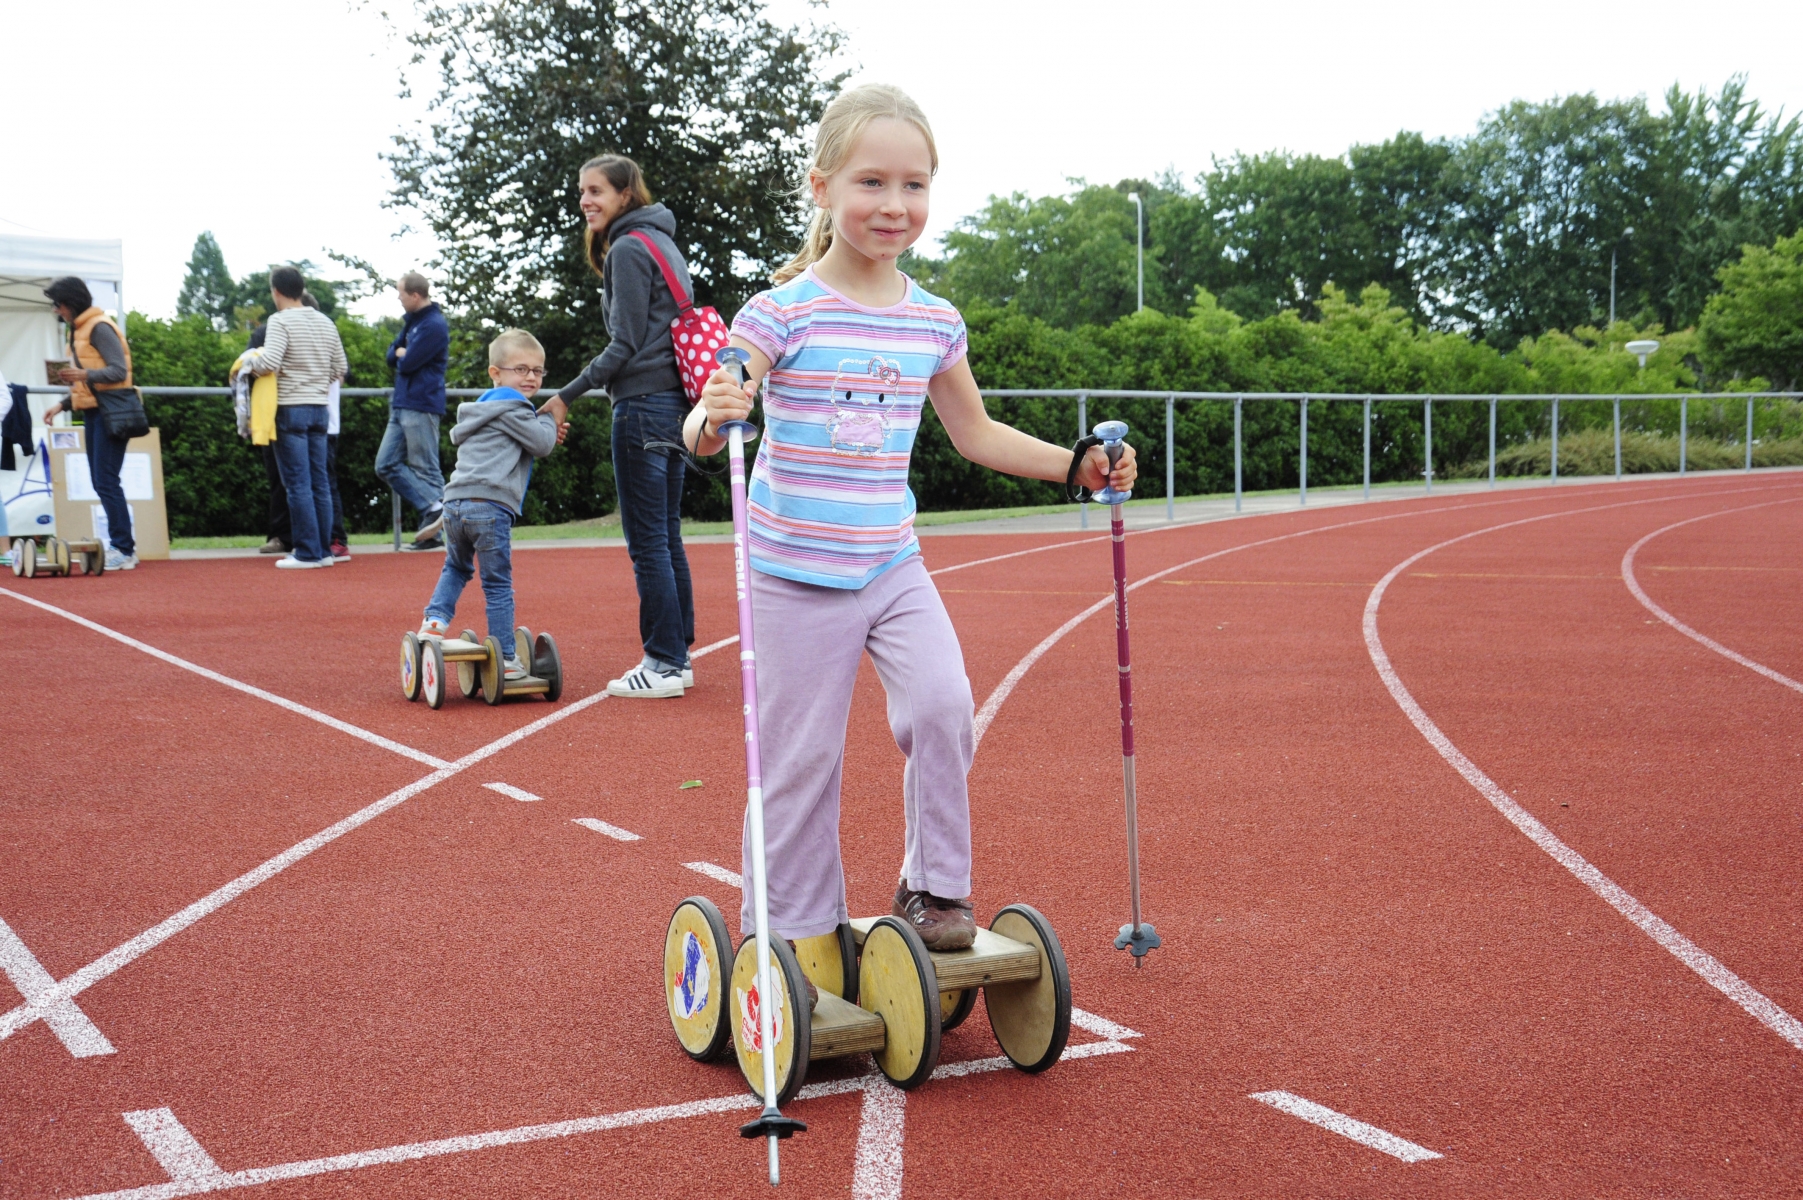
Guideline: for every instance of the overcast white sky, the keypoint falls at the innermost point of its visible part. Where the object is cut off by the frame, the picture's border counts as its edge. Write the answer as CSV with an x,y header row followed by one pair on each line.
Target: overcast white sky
x,y
264,120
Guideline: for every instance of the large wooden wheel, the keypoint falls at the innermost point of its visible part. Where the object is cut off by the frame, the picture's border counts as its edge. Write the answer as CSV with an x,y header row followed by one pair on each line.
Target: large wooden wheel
x,y
410,661
493,677
695,983
897,983
954,1007
549,667
831,961
431,672
1031,1017
469,675
522,648
790,1014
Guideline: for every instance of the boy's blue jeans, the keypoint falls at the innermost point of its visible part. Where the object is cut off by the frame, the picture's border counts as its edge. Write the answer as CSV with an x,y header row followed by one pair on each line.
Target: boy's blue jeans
x,y
481,531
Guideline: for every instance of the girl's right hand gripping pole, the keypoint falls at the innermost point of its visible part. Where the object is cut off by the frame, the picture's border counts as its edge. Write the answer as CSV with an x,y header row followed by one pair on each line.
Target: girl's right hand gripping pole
x,y
1137,937
771,1124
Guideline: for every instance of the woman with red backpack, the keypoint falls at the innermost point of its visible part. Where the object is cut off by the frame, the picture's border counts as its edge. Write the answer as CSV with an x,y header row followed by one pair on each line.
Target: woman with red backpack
x,y
645,287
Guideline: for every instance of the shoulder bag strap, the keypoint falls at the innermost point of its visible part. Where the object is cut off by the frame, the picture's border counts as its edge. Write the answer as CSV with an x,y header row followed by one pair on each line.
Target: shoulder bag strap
x,y
682,300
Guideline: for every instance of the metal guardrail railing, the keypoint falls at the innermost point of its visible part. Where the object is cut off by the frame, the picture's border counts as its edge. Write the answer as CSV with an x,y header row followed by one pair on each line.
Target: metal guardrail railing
x,y
1084,395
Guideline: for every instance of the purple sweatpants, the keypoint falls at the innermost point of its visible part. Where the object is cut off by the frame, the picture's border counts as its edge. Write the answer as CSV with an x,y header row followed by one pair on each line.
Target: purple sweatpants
x,y
809,642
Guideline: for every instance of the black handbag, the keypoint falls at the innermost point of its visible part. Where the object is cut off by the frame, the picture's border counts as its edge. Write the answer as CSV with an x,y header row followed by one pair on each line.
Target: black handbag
x,y
123,412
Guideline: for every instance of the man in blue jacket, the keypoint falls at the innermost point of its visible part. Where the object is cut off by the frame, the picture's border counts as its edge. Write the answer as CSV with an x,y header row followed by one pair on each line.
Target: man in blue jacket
x,y
408,459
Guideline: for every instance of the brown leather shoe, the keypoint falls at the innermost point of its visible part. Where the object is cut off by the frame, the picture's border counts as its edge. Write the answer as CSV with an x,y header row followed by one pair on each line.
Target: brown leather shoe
x,y
942,924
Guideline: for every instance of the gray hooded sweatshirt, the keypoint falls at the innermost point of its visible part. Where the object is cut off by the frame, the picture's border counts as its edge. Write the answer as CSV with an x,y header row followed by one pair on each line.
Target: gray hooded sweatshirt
x,y
497,437
638,308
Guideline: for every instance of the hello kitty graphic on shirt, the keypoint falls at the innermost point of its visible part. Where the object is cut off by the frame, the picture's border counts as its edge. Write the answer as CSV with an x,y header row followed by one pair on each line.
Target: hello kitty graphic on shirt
x,y
863,390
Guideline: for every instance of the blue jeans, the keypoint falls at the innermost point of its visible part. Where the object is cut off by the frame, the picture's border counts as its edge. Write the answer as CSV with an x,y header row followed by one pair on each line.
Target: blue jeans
x,y
300,456
482,530
106,456
408,459
649,485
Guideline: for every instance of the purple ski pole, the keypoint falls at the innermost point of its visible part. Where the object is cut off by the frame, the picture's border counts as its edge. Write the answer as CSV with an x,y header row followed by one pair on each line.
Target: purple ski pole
x,y
1138,937
771,1124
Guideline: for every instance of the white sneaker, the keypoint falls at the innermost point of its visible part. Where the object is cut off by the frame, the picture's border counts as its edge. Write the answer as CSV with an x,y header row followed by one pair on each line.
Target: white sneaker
x,y
688,676
512,670
643,683
116,561
291,563
434,629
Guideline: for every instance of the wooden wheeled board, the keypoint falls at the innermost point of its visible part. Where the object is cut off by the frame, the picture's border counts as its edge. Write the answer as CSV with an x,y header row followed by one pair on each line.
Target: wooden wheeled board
x,y
58,557
426,664
906,996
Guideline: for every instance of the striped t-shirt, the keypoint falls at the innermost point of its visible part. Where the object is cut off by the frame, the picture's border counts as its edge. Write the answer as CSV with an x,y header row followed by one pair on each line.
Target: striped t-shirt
x,y
830,503
306,354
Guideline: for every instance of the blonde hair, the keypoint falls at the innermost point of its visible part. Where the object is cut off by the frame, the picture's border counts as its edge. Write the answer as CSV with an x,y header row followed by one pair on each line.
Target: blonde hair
x,y
509,340
841,126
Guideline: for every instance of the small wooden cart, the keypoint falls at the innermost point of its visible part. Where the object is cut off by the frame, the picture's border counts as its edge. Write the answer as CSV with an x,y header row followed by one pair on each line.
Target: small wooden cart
x,y
58,557
881,991
478,664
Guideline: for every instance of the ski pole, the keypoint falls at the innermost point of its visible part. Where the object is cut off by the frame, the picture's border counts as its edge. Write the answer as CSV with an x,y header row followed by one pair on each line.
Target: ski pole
x,y
771,1124
1138,937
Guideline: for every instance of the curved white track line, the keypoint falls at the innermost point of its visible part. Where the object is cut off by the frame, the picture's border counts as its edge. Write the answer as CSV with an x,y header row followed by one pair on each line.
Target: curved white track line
x,y
1713,972
1627,577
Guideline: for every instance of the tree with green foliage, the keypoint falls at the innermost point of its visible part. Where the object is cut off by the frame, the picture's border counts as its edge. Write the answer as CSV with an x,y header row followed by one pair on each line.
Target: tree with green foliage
x,y
714,101
208,290
1753,327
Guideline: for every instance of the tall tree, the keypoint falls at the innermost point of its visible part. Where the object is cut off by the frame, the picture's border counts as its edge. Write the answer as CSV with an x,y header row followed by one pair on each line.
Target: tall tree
x,y
208,289
713,101
1754,325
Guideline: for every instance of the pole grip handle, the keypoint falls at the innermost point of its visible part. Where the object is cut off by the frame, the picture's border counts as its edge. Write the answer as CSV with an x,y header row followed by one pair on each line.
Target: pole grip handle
x,y
1113,435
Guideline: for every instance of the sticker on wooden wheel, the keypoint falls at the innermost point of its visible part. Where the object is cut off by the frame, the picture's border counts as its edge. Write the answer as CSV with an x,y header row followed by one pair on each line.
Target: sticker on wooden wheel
x,y
493,686
410,666
790,1019
954,1007
431,672
831,961
897,983
1031,1017
548,666
695,984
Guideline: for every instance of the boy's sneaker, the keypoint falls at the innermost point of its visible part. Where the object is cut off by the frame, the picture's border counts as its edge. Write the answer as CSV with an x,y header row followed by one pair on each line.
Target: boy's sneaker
x,y
431,525
688,676
274,545
512,670
116,561
289,563
942,924
435,629
642,682
340,552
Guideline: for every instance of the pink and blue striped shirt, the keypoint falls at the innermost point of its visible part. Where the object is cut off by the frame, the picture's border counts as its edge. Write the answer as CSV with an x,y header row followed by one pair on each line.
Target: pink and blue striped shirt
x,y
829,496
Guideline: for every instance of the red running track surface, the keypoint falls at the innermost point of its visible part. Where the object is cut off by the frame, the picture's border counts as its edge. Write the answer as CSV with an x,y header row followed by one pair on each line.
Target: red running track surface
x,y
1346,918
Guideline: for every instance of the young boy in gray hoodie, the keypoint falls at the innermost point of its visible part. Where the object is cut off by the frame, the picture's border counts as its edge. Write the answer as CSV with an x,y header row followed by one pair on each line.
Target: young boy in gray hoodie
x,y
497,435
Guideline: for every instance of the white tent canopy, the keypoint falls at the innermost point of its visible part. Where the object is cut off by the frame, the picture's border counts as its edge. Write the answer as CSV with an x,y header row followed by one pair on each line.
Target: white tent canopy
x,y
28,326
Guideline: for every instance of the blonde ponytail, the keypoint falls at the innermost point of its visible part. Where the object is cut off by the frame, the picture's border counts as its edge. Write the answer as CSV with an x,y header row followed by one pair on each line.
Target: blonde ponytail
x,y
841,126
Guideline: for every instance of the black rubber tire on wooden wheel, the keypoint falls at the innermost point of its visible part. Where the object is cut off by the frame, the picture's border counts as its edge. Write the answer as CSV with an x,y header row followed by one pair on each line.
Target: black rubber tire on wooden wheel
x,y
954,1007
432,683
93,562
792,1019
26,567
1031,1018
410,663
696,982
58,551
522,648
493,679
548,666
896,981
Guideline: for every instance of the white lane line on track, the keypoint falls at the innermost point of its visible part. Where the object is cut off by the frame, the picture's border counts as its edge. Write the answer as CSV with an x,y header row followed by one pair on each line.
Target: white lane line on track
x,y
1627,577
1345,1126
876,1172
612,831
174,1148
312,714
729,878
156,935
523,1134
67,1022
511,792
1711,970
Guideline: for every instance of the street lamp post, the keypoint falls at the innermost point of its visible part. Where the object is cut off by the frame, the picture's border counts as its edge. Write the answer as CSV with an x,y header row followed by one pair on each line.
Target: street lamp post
x,y
1639,350
1139,241
1628,232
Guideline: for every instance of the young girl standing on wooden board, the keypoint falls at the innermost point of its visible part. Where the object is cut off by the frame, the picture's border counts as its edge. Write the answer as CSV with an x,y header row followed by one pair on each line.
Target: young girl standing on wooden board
x,y
849,349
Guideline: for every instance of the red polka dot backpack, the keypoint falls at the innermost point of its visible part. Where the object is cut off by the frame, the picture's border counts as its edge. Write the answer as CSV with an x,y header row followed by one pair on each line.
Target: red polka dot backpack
x,y
695,333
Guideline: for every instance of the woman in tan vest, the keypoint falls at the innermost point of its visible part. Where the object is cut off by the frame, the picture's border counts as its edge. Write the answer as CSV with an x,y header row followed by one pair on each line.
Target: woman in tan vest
x,y
102,363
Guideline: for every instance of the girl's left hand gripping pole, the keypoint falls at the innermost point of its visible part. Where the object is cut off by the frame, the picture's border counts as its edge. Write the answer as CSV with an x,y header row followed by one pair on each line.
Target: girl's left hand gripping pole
x,y
771,1124
1138,936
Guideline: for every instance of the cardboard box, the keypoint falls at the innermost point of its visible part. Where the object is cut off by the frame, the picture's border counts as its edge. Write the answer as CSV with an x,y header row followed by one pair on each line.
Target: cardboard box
x,y
77,508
